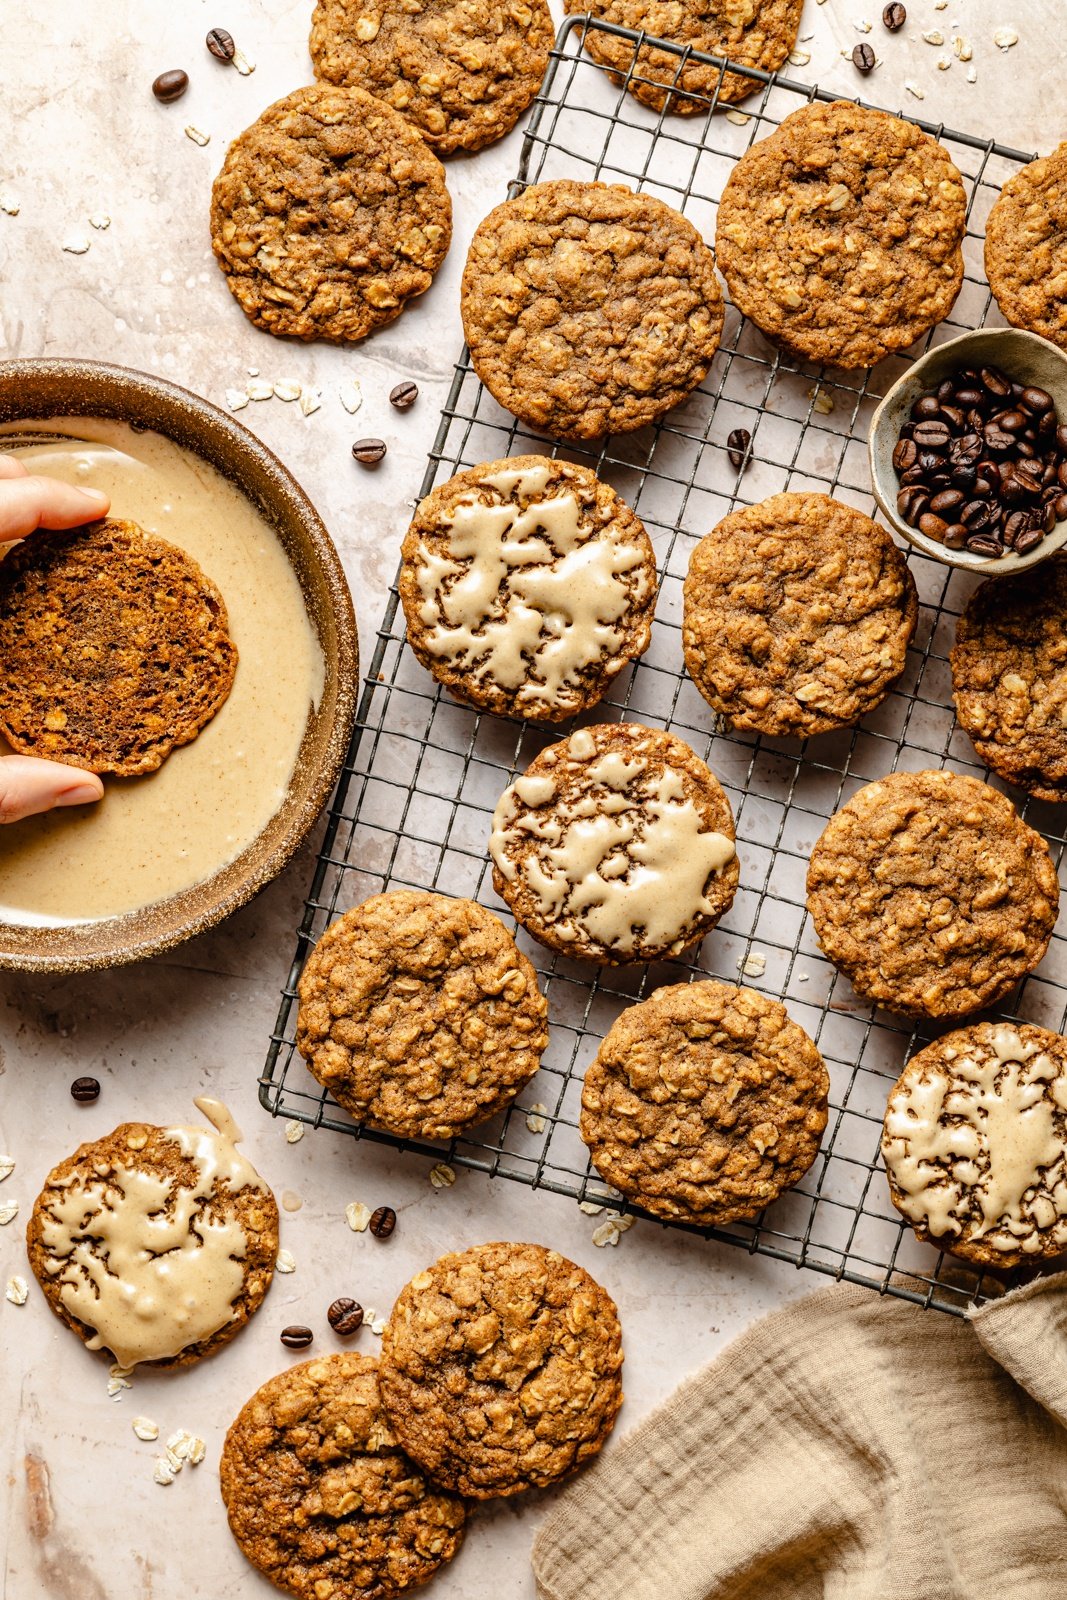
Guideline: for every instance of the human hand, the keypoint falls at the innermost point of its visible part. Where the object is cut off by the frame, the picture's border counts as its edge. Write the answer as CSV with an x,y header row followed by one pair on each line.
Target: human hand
x,y
27,784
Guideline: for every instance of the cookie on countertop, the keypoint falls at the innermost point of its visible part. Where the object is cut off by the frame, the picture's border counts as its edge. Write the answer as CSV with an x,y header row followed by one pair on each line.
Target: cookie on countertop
x,y
329,214
460,71
931,895
589,309
114,648
798,614
705,1102
420,1014
527,585
500,1369
754,33
1026,248
975,1143
157,1244
840,236
319,1495
1009,676
616,845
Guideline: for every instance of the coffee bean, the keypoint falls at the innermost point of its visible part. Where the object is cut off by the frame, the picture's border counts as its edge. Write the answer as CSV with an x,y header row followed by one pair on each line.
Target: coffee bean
x,y
931,435
1045,427
170,85
404,395
1061,474
945,390
863,58
913,475
1047,518
1028,541
1011,421
955,536
944,502
85,1090
296,1337
911,503
894,17
221,44
997,441
737,445
995,382
930,460
953,416
1061,438
1059,505
383,1222
905,454
981,544
1037,401
345,1315
926,409
1024,448
969,398
368,452
964,476
933,527
976,514
1015,525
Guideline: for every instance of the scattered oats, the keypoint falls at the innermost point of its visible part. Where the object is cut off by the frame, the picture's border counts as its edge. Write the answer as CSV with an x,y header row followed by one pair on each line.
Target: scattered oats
x,y
75,244
935,36
374,1321
802,977
535,1117
118,1378
162,1472
753,966
236,399
286,1261
1004,38
7,1167
288,389
611,1230
351,395
145,1429
821,400
943,63
799,58
590,1208
940,5
9,203
805,37
310,401
174,1461
253,372
357,1215
181,1447
913,88
18,1291
972,74
442,1176
862,26
196,136
8,1212
820,2
739,117
197,1451
294,1132
260,389
100,220
243,65
962,47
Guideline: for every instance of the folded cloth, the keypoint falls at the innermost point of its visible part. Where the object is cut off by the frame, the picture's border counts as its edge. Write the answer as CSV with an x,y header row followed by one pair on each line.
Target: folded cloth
x,y
848,1447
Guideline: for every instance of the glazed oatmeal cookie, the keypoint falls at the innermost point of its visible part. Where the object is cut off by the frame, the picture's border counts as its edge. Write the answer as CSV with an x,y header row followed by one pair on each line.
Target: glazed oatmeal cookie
x,y
1026,248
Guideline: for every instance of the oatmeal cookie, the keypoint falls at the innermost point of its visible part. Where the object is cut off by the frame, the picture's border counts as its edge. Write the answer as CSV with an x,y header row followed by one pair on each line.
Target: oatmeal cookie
x,y
500,1369
798,613
704,1103
616,845
931,895
114,648
319,1495
156,1244
1026,248
420,1014
460,71
841,235
329,214
1009,677
589,309
975,1143
754,33
527,585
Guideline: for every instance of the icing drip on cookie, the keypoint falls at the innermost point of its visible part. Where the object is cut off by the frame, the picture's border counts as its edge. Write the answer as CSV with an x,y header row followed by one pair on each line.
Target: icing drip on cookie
x,y
632,852
151,1265
531,590
977,1149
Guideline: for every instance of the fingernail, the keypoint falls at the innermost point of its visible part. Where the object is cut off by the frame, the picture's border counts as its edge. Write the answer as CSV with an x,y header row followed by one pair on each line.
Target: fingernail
x,y
92,494
81,794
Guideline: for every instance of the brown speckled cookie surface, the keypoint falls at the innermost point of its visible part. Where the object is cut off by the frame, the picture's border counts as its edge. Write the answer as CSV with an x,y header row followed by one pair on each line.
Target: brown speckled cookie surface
x,y
1026,248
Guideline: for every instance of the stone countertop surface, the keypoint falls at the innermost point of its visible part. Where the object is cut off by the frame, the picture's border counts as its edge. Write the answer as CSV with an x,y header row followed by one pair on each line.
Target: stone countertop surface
x,y
80,1515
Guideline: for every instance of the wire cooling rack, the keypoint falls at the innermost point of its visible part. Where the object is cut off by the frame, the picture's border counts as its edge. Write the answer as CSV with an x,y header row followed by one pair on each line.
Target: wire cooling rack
x,y
424,774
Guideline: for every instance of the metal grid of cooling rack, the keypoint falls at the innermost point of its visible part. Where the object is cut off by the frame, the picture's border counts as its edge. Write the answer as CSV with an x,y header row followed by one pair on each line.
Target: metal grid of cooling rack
x,y
424,773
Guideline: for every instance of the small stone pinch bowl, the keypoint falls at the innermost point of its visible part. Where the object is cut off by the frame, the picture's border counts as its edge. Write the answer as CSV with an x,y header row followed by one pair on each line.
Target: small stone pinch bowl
x,y
1025,358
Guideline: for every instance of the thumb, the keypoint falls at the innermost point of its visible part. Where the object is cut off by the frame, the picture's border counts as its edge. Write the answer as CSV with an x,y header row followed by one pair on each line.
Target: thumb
x,y
28,503
29,785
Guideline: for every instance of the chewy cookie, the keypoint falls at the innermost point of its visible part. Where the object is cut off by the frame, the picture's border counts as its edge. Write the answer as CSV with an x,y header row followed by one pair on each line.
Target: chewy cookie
x,y
157,1244
420,1014
329,214
460,71
114,648
500,1369
704,1103
841,235
1009,677
616,845
319,1495
527,585
589,309
754,33
931,895
1026,248
975,1143
798,613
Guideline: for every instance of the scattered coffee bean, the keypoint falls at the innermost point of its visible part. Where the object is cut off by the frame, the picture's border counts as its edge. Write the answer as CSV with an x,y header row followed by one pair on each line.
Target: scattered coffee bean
x,y
1028,541
368,452
863,58
221,44
932,435
85,1090
933,527
170,85
894,17
1036,401
737,444
345,1315
404,395
995,382
383,1222
296,1337
955,536
983,544
905,455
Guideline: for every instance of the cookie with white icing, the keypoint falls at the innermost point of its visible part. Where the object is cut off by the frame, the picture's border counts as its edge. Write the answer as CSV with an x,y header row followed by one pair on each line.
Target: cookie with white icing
x,y
616,845
975,1143
527,585
156,1244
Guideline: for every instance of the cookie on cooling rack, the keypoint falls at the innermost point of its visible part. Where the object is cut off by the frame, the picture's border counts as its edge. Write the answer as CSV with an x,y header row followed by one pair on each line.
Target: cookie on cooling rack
x,y
931,895
975,1143
798,614
1026,248
704,1103
527,585
840,236
616,845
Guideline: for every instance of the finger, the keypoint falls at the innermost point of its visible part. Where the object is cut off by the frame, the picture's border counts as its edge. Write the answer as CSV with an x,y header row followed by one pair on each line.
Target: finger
x,y
29,503
29,785
11,467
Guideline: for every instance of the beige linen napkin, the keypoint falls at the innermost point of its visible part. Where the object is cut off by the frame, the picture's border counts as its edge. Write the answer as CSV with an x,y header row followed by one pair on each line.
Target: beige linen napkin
x,y
846,1448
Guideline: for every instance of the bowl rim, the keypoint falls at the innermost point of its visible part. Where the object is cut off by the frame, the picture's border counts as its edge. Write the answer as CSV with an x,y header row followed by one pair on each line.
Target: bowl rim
x,y
961,560
201,906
